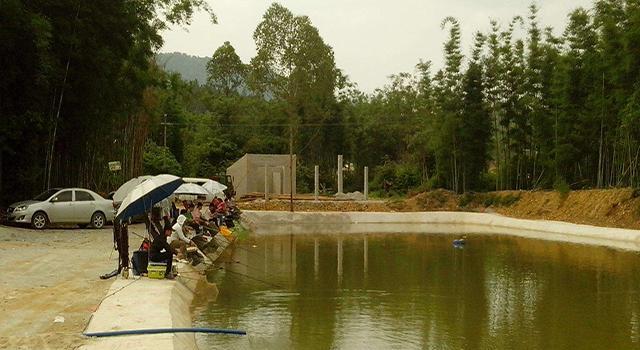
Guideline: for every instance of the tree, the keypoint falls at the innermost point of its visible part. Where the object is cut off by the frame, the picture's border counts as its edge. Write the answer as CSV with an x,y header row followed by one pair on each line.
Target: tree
x,y
159,160
294,65
475,126
78,84
226,72
446,138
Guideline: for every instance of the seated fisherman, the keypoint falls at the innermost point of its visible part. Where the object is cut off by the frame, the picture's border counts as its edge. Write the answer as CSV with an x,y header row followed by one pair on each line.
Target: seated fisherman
x,y
155,224
178,240
161,251
207,214
196,213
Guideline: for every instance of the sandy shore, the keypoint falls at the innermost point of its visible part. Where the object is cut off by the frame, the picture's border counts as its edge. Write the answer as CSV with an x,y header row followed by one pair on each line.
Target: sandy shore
x,y
50,273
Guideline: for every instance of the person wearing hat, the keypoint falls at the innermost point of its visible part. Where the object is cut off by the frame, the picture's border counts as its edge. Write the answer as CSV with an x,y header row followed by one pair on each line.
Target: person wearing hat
x,y
161,251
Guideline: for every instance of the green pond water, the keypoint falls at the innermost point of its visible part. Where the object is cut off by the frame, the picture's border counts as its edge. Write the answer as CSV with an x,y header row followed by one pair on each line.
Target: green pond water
x,y
419,292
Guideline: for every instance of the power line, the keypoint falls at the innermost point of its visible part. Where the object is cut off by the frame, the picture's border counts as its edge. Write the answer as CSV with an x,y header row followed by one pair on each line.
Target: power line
x,y
296,125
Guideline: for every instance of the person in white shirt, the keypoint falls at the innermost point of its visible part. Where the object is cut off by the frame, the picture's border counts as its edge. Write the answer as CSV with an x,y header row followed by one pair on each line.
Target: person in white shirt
x,y
178,240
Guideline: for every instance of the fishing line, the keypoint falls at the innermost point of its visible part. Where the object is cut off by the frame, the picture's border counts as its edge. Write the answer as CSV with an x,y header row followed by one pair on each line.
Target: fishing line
x,y
254,268
107,296
254,278
250,251
280,262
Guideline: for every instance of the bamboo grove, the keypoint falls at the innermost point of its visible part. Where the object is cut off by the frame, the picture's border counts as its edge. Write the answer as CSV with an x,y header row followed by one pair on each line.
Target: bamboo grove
x,y
525,108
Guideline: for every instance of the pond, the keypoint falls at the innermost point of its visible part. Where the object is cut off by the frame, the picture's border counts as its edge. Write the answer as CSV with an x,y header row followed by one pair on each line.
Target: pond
x,y
419,292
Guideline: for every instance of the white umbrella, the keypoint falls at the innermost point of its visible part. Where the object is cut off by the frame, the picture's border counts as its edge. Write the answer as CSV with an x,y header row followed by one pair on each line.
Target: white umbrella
x,y
128,186
191,189
214,187
142,197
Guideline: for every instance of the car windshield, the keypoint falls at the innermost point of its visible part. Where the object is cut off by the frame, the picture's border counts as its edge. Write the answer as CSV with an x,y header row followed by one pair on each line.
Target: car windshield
x,y
45,195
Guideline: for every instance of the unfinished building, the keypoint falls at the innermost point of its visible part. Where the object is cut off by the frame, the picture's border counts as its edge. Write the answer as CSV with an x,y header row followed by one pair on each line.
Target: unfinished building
x,y
251,172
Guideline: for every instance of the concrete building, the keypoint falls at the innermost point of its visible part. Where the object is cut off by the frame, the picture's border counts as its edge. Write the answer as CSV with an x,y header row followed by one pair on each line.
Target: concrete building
x,y
248,174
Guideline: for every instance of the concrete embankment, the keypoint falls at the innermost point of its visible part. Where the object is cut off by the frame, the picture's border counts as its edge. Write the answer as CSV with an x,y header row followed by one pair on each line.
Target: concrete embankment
x,y
273,222
144,303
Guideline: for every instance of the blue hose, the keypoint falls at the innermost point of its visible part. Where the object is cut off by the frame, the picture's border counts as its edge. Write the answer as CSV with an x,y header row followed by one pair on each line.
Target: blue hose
x,y
165,330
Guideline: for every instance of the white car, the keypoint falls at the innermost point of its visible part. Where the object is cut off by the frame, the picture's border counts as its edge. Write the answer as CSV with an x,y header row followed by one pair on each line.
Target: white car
x,y
63,206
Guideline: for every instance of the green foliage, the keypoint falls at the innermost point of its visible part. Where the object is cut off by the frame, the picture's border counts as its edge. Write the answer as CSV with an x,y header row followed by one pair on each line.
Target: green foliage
x,y
159,160
471,199
226,72
399,177
78,83
519,112
562,187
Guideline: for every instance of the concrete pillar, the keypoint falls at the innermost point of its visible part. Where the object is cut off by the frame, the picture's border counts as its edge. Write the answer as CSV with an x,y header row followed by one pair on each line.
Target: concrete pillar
x,y
294,182
266,183
366,183
316,182
340,174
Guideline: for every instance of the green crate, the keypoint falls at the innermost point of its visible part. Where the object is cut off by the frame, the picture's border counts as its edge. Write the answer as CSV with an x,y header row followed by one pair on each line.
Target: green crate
x,y
156,270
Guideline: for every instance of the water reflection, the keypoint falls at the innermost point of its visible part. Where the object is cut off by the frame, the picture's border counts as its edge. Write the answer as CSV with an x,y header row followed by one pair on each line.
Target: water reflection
x,y
418,292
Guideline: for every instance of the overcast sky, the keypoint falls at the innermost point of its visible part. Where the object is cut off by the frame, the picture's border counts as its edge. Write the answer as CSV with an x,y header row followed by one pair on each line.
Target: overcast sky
x,y
371,39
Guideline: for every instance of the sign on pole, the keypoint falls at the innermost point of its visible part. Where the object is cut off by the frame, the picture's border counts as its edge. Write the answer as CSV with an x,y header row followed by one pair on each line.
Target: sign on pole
x,y
114,166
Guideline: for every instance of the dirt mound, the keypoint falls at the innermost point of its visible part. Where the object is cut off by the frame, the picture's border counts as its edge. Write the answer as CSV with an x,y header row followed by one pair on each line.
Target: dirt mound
x,y
438,200
284,205
612,207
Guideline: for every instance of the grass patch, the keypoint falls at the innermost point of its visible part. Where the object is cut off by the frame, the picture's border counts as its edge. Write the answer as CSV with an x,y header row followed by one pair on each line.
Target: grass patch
x,y
396,203
493,199
562,187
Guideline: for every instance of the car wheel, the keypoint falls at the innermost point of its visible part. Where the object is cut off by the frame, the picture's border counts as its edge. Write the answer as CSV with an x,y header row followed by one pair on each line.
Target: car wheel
x,y
98,220
39,220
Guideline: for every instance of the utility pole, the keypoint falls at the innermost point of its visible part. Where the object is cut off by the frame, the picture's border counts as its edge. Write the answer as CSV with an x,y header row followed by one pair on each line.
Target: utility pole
x,y
165,130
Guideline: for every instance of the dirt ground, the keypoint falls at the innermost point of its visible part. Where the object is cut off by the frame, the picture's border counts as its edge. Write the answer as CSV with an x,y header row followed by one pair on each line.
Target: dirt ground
x,y
50,273
610,208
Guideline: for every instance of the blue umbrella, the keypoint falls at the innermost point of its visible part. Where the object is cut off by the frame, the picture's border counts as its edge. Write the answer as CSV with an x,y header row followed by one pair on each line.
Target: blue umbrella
x,y
144,196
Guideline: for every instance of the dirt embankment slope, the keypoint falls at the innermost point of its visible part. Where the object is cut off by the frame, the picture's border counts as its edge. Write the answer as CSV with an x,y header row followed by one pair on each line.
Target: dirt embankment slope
x,y
611,207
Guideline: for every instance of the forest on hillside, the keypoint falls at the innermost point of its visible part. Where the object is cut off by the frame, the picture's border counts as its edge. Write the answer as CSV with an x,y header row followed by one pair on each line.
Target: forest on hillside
x,y
524,109
190,67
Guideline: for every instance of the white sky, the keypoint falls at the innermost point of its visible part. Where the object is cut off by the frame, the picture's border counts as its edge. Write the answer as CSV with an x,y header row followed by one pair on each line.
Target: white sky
x,y
371,39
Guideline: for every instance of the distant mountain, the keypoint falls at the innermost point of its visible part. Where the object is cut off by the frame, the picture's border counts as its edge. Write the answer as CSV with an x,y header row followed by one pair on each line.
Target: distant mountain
x,y
189,67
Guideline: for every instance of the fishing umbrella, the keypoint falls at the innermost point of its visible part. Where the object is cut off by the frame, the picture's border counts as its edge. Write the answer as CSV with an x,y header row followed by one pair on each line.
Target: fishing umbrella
x,y
191,189
215,188
142,197
128,186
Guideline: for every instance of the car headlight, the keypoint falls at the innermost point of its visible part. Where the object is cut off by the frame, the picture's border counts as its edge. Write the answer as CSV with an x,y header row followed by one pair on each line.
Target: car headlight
x,y
21,208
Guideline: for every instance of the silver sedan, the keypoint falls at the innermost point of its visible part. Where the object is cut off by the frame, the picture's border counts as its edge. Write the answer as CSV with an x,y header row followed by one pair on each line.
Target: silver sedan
x,y
63,206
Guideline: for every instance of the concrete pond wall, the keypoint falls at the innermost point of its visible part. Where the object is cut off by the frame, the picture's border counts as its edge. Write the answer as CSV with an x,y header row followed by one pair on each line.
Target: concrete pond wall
x,y
144,303
277,222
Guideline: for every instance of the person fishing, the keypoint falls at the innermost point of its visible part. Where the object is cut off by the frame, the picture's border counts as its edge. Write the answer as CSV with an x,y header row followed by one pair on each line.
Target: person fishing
x,y
161,251
120,244
155,224
178,241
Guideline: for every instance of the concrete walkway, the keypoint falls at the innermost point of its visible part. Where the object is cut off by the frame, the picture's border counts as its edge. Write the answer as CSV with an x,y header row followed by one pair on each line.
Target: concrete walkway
x,y
272,222
145,303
